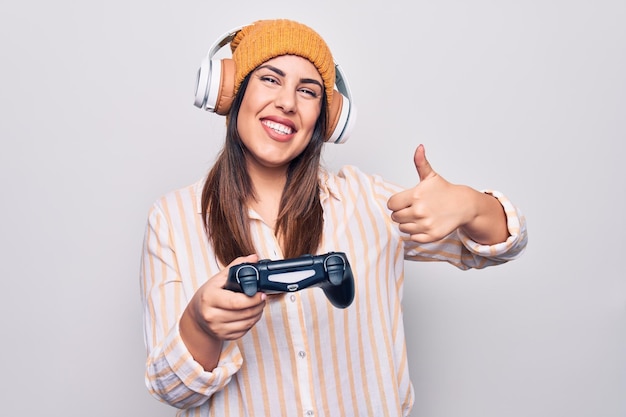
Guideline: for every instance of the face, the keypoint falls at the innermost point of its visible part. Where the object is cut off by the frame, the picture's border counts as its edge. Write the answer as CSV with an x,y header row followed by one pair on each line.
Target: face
x,y
280,107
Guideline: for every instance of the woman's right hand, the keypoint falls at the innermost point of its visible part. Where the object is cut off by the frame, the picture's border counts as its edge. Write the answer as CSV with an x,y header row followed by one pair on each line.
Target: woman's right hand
x,y
215,314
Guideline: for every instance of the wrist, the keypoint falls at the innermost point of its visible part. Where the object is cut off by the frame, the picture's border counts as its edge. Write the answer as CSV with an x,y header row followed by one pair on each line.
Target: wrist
x,y
204,346
486,222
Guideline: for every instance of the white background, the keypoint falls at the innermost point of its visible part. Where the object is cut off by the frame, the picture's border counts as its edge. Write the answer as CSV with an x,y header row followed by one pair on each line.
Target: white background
x,y
525,97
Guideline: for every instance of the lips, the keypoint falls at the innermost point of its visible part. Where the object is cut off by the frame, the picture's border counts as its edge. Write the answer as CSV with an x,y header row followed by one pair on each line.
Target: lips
x,y
278,127
278,131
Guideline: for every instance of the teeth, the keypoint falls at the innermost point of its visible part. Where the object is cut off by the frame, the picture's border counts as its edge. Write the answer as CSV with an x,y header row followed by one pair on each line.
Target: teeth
x,y
278,127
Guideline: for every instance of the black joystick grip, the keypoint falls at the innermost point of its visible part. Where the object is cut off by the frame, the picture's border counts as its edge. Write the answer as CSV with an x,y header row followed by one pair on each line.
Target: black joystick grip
x,y
248,276
331,272
335,268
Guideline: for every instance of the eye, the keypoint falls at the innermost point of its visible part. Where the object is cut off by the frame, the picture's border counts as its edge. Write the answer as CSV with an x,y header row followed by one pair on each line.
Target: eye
x,y
269,79
309,92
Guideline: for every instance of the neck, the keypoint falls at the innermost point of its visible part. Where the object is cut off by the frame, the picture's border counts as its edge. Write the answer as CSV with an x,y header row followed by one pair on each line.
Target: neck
x,y
267,179
268,183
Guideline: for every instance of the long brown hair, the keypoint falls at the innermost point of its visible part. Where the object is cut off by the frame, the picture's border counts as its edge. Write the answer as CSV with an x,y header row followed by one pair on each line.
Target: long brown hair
x,y
228,187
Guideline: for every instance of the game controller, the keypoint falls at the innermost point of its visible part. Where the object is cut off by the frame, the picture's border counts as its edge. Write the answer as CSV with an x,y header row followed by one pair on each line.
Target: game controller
x,y
331,272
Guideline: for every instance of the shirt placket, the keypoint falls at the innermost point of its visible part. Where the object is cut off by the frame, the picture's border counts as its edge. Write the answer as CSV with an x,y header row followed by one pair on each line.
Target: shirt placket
x,y
299,342
302,353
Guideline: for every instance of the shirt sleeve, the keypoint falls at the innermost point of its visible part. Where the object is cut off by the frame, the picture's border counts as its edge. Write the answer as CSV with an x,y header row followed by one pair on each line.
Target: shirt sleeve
x,y
172,375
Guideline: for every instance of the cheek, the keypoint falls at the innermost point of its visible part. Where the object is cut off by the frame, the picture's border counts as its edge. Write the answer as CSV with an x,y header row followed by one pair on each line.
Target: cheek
x,y
243,119
311,117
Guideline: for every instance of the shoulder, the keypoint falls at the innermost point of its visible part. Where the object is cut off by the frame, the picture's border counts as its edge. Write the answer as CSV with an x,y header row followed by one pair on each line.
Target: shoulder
x,y
351,179
182,201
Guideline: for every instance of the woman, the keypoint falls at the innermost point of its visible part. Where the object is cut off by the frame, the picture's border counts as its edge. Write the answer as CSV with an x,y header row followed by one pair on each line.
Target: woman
x,y
216,352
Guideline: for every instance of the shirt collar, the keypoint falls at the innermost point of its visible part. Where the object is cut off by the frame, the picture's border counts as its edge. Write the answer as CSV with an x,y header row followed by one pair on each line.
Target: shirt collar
x,y
328,186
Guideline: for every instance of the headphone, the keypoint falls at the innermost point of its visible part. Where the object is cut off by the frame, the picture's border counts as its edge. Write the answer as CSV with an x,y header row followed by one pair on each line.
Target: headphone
x,y
215,86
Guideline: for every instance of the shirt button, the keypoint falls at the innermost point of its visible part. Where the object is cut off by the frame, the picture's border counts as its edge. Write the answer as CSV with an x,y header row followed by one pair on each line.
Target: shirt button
x,y
310,413
293,298
302,354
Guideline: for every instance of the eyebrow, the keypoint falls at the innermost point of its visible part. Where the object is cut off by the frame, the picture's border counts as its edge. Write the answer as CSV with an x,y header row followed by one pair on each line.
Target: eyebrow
x,y
282,74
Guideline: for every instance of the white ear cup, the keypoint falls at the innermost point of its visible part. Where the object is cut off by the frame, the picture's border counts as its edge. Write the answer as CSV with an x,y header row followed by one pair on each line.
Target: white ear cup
x,y
345,124
347,115
202,83
210,87
208,84
208,81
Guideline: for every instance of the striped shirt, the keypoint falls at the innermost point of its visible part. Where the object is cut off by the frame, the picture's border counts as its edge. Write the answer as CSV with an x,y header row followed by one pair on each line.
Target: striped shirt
x,y
304,357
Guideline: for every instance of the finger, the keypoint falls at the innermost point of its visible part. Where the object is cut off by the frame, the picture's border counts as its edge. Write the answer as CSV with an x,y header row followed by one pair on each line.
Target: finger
x,y
220,279
239,302
243,308
234,329
424,170
243,259
423,238
400,201
404,199
402,215
234,309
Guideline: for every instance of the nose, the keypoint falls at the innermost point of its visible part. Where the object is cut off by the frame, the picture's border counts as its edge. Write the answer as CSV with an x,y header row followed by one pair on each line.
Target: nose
x,y
286,99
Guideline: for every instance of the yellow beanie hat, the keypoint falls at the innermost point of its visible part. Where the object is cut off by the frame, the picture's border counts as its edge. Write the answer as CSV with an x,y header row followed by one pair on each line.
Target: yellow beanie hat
x,y
267,39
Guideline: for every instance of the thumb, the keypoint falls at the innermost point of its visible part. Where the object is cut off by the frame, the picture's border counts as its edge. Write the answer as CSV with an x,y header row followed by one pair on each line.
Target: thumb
x,y
424,170
221,278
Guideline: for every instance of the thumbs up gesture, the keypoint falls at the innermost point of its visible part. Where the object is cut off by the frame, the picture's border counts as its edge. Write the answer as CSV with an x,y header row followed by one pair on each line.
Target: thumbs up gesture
x,y
434,207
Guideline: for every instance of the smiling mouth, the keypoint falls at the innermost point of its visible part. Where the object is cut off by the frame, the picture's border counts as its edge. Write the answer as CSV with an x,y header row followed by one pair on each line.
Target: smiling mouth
x,y
278,128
